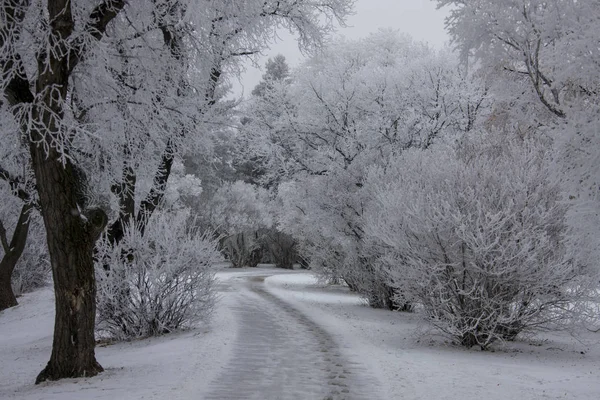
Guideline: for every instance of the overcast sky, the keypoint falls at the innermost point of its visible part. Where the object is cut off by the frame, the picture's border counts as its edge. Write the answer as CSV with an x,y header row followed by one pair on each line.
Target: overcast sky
x,y
419,18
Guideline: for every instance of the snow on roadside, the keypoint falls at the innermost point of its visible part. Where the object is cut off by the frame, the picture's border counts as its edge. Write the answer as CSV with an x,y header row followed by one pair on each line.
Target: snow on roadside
x,y
555,366
181,366
176,366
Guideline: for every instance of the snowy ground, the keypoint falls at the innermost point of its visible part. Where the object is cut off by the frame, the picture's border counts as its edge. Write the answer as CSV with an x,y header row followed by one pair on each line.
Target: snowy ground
x,y
281,335
176,366
551,367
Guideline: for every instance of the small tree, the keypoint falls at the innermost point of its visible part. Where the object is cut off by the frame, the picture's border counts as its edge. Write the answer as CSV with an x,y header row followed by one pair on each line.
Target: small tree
x,y
277,70
17,203
31,269
11,252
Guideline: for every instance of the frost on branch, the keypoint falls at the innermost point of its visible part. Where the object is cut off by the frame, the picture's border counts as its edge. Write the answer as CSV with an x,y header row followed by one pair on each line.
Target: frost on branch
x,y
157,283
476,239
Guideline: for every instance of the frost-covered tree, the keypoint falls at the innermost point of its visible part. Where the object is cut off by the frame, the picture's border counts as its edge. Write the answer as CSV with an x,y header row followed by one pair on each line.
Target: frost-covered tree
x,y
276,70
553,45
13,246
278,247
475,237
50,51
545,57
17,201
24,263
357,104
41,45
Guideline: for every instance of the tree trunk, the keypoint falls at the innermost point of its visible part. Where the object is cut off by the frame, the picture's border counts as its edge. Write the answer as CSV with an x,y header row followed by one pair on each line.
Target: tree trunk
x,y
70,239
70,244
12,253
7,296
70,235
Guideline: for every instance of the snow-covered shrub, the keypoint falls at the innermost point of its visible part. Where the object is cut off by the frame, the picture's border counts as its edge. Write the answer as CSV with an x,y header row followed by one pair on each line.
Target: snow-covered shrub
x,y
476,238
324,215
521,42
157,282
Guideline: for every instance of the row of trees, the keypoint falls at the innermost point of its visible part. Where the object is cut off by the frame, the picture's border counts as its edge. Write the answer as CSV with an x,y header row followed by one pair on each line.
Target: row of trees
x,y
99,100
462,186
358,105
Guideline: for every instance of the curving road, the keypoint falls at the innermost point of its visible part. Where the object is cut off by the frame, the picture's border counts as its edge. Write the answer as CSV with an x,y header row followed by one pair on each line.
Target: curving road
x,y
280,354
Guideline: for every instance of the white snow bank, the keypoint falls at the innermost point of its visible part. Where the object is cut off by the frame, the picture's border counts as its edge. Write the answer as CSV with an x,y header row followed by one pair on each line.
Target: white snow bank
x,y
177,366
554,366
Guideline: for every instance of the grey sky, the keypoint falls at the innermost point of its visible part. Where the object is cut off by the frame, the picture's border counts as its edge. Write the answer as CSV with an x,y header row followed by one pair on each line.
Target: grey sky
x,y
419,18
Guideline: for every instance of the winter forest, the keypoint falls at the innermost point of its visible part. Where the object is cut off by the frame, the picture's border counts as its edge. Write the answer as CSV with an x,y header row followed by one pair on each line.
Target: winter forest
x,y
385,220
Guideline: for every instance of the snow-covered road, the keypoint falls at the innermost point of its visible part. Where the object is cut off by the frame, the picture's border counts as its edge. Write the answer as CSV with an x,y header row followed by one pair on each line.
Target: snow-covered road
x,y
278,334
279,353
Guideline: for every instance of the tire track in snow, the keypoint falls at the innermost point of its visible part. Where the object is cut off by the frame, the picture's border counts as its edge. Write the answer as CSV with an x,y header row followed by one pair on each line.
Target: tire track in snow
x,y
280,354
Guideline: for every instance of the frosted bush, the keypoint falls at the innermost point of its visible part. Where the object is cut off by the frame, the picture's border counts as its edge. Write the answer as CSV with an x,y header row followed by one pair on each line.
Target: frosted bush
x,y
156,283
476,239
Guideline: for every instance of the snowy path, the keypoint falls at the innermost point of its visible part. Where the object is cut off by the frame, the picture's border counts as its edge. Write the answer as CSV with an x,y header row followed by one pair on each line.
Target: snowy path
x,y
290,337
281,354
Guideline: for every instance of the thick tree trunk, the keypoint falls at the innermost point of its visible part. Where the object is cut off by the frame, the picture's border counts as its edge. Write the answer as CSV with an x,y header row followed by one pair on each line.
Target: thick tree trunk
x,y
12,253
70,244
70,234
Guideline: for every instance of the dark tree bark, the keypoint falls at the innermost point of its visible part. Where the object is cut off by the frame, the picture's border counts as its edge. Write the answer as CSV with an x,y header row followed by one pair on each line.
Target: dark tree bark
x,y
70,243
125,192
70,233
7,296
157,192
12,253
